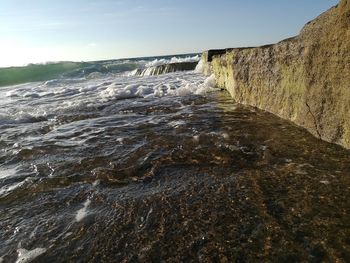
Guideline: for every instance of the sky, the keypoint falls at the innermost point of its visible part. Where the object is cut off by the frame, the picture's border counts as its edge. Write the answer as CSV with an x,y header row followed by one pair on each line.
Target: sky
x,y
37,31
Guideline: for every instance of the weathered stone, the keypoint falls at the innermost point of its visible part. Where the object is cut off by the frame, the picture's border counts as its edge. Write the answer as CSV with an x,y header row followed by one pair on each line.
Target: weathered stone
x,y
305,79
213,52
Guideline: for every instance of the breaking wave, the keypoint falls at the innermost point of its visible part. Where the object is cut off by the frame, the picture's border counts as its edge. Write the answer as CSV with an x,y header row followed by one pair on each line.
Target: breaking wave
x,y
63,70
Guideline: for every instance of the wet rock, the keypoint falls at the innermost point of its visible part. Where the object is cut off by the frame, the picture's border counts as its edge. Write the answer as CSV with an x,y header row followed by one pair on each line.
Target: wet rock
x,y
304,79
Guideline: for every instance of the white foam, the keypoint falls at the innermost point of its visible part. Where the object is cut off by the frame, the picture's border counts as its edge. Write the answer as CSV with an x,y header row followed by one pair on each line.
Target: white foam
x,y
113,91
200,67
57,97
9,188
159,62
159,86
7,172
25,256
156,62
82,213
210,81
177,124
186,59
190,88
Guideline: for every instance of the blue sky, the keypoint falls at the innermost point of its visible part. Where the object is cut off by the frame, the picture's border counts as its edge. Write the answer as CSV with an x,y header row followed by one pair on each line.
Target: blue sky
x,y
37,31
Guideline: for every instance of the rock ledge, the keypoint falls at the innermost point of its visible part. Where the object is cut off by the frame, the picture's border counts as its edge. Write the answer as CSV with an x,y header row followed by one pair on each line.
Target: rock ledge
x,y
305,79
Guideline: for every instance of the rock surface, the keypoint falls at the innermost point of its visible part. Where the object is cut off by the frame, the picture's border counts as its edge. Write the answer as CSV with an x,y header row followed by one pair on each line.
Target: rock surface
x,y
305,79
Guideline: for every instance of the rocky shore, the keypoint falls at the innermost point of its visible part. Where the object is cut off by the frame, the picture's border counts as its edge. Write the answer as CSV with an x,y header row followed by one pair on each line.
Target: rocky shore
x,y
305,79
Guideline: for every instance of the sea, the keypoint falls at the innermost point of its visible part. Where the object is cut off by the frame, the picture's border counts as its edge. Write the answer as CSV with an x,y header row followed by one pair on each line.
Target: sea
x,y
145,160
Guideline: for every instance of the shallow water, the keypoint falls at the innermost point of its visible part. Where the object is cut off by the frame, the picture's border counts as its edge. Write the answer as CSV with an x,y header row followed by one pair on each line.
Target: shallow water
x,y
173,171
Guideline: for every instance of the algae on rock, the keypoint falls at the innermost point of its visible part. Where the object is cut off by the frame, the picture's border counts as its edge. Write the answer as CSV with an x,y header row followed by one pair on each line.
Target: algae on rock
x,y
305,79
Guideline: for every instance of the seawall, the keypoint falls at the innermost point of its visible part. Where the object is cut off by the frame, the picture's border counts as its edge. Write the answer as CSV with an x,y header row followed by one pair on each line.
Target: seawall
x,y
305,79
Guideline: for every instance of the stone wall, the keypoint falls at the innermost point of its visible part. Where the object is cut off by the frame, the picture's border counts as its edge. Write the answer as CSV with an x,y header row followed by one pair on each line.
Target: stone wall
x,y
305,79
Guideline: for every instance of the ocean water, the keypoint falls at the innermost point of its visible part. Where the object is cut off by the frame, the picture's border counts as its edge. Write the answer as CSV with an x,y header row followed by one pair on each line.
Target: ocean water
x,y
100,164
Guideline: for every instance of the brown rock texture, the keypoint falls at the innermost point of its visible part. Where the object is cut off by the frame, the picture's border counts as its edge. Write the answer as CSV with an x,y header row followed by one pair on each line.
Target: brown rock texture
x,y
305,79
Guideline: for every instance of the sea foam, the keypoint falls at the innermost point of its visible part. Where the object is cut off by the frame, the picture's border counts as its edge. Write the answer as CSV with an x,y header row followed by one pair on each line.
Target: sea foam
x,y
82,213
160,86
159,62
25,256
42,102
